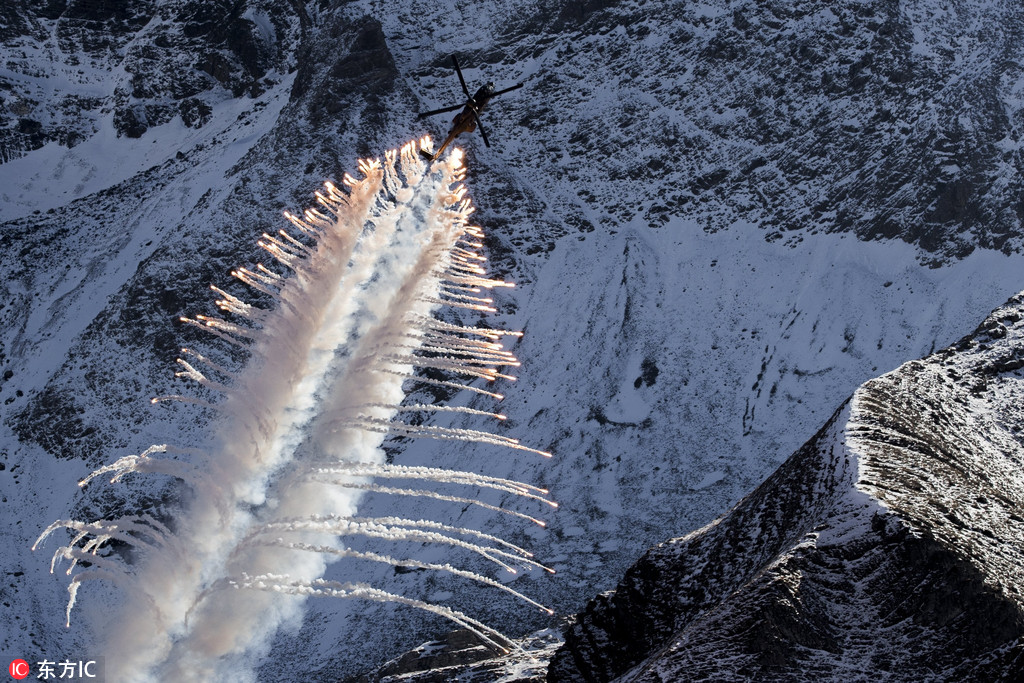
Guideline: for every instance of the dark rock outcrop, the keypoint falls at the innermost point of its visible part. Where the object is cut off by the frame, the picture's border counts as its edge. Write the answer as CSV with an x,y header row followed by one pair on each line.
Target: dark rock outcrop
x,y
143,317
146,62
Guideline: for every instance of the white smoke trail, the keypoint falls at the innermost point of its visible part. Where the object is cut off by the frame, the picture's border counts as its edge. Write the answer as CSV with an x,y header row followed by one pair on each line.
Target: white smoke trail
x,y
408,562
336,525
434,474
284,584
309,412
285,524
424,493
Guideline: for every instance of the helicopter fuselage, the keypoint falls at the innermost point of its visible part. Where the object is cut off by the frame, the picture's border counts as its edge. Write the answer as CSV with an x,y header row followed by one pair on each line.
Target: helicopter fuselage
x,y
468,119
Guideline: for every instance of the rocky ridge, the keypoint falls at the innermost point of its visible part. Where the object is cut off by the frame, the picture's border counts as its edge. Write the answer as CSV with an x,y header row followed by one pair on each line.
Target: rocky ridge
x,y
889,547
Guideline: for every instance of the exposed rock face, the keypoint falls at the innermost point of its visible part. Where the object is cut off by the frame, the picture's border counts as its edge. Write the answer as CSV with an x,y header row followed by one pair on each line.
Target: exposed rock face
x,y
890,547
70,62
249,196
860,113
796,116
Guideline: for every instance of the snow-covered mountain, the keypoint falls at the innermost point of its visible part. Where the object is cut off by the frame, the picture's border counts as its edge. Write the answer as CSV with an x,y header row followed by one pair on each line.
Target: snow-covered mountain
x,y
723,217
887,548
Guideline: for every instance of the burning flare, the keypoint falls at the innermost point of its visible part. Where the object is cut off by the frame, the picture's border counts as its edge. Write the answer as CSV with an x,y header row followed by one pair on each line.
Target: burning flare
x,y
297,440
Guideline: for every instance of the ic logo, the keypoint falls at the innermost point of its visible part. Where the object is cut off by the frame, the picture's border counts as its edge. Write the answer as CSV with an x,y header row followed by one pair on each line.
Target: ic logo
x,y
19,669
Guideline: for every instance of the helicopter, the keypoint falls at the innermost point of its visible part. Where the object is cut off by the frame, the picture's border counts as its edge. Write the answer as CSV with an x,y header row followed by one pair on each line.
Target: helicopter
x,y
467,120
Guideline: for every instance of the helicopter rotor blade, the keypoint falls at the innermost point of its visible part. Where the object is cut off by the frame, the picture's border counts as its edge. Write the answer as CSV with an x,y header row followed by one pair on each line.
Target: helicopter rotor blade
x,y
440,111
461,79
480,127
514,87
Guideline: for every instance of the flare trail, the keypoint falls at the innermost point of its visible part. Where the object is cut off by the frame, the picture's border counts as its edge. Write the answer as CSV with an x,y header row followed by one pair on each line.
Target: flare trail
x,y
355,287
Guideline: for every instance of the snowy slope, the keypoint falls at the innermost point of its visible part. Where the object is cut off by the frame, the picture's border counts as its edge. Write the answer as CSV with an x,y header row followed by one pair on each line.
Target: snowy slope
x,y
675,460
722,218
887,548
